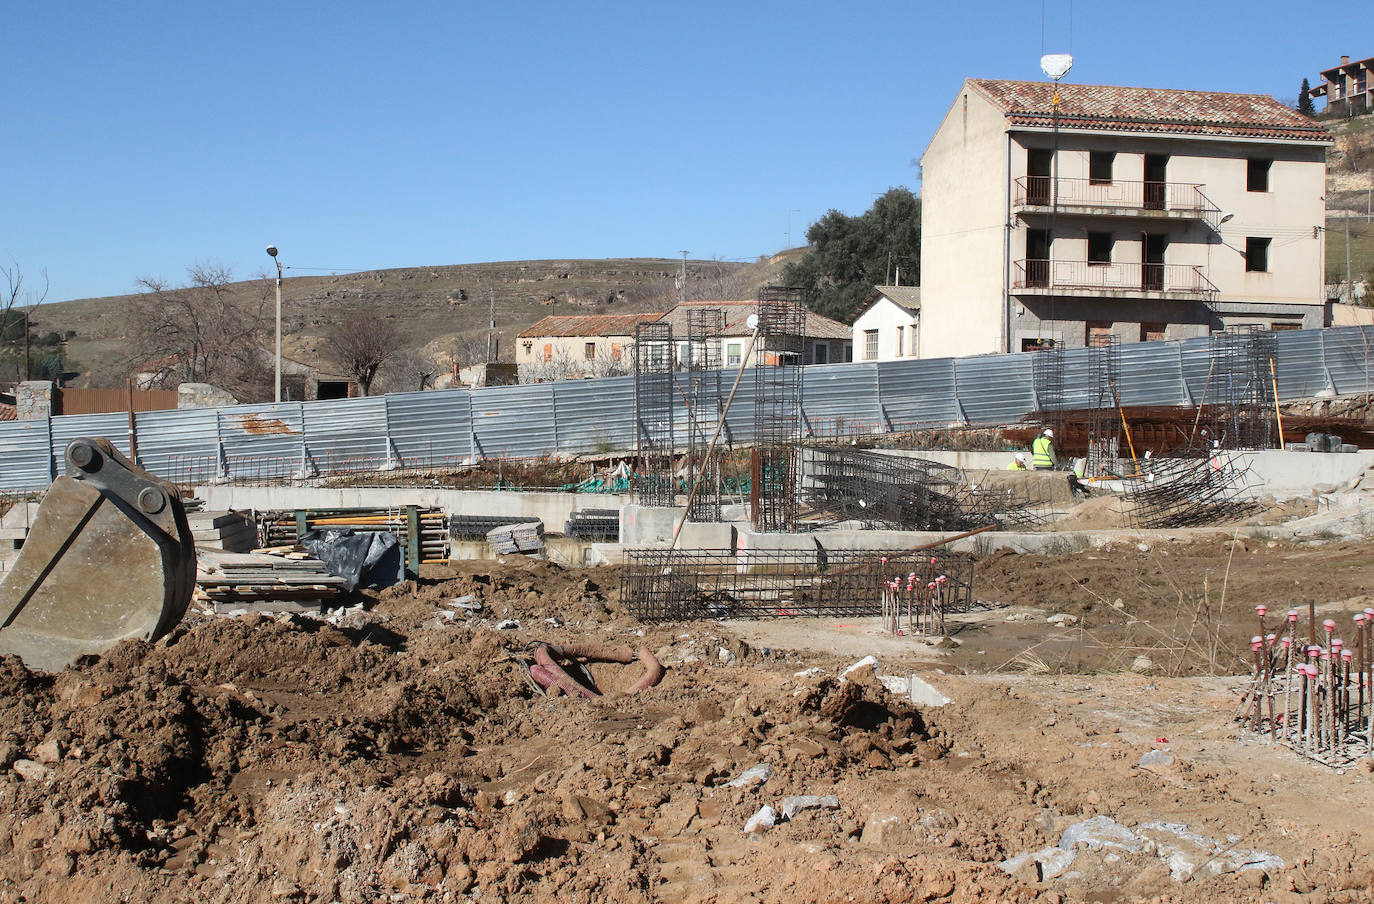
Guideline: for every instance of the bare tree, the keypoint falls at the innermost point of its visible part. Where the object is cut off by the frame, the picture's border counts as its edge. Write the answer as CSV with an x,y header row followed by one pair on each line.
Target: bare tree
x,y
209,330
14,328
360,345
409,370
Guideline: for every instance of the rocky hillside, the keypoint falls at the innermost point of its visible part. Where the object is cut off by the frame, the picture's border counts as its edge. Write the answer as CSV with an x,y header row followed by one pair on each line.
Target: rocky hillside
x,y
437,308
1349,188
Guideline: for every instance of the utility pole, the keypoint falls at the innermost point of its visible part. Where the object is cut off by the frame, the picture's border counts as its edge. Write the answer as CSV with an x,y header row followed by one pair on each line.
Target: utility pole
x,y
491,327
1349,286
682,279
789,226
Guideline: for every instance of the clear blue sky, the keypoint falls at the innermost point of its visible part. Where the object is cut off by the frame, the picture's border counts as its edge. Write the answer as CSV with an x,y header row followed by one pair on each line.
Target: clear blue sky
x,y
142,137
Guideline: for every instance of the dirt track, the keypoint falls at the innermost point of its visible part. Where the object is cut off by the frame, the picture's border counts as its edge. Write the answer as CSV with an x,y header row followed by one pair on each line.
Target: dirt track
x,y
400,756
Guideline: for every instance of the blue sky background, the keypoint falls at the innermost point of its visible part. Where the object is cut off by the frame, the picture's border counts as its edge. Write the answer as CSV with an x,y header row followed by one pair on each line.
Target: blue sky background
x,y
142,137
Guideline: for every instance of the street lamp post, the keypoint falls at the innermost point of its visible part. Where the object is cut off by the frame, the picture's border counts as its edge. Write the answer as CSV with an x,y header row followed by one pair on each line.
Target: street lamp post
x,y
272,250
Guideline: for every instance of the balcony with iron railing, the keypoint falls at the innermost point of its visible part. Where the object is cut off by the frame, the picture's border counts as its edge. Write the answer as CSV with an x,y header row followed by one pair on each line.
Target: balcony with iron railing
x,y
1170,200
1117,280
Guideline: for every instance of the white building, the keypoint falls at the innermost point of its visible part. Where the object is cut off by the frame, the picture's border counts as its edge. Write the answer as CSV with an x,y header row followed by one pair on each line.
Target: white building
x,y
888,325
564,347
1136,212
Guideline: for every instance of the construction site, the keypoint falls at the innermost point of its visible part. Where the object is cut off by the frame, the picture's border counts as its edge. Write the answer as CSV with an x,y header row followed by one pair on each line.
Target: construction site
x,y
746,652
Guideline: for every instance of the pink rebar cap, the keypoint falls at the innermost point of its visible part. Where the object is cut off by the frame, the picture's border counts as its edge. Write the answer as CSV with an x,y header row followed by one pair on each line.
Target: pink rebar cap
x,y
1347,655
1261,609
1329,625
1292,614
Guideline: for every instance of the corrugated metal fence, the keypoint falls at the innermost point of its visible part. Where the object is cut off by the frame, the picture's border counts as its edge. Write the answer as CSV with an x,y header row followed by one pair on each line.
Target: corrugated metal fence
x,y
452,426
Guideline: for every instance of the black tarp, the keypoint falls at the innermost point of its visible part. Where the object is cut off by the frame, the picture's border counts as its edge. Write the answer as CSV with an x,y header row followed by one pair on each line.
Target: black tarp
x,y
366,559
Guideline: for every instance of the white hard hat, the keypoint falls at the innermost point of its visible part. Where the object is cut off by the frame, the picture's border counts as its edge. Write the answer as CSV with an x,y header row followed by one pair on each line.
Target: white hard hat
x,y
1021,457
1049,432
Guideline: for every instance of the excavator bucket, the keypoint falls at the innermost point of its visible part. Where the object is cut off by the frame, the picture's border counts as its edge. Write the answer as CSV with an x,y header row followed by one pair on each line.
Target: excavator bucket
x,y
109,557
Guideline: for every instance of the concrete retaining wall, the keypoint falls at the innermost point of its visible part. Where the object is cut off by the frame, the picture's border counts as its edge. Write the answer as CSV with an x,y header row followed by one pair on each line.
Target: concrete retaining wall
x,y
551,508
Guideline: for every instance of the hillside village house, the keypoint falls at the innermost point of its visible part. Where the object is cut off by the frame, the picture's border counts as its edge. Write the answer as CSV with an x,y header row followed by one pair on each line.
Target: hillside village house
x,y
573,346
887,327
825,341
1136,212
1348,88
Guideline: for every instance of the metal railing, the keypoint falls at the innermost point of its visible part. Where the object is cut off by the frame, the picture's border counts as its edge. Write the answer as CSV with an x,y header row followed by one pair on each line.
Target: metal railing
x,y
1034,273
1044,191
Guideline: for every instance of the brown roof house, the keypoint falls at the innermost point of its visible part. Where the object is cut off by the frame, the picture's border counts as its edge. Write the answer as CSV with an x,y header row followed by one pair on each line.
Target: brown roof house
x,y
1133,213
578,346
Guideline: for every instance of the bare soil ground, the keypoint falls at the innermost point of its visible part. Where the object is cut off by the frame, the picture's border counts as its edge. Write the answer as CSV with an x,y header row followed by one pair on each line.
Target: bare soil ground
x,y
400,755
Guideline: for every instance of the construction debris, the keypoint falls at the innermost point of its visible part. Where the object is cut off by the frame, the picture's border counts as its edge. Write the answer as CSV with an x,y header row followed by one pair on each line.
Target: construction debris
x,y
510,539
230,581
230,531
1188,492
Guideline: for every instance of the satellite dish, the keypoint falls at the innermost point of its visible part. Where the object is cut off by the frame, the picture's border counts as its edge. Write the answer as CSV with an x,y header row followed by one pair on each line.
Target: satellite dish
x,y
752,322
1056,65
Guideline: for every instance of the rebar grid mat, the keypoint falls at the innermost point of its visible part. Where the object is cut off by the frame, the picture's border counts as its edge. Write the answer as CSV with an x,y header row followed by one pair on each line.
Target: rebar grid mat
x,y
654,389
902,493
1309,689
675,585
1241,388
705,328
1188,492
778,422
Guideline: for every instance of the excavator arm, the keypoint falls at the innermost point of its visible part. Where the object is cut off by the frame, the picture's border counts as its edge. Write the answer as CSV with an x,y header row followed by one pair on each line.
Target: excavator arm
x,y
109,556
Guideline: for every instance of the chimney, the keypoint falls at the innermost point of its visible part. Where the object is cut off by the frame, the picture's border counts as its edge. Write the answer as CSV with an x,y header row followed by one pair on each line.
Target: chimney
x,y
1344,59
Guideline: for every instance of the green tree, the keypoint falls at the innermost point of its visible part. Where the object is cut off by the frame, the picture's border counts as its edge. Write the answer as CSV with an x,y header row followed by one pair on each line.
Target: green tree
x,y
1305,100
850,255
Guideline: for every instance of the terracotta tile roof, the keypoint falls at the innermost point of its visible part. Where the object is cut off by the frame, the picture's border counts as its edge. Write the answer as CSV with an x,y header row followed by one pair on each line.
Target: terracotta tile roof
x,y
737,313
587,325
8,413
1160,110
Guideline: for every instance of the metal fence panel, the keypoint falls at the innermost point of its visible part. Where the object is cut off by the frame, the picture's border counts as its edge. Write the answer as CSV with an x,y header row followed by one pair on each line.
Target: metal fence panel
x,y
345,436
65,428
995,389
1349,355
25,455
513,421
597,415
1148,374
262,441
182,446
431,427
840,399
1304,370
919,394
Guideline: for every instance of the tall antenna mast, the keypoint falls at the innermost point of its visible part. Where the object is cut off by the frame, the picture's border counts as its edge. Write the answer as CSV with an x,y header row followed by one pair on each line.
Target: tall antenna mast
x,y
682,279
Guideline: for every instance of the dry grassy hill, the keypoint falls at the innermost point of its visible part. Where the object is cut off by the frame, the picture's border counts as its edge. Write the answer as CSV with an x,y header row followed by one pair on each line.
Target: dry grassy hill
x,y
436,308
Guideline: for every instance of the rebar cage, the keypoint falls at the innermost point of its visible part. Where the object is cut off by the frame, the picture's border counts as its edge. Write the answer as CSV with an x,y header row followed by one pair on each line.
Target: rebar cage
x,y
778,423
1104,439
654,388
674,585
1241,388
705,327
904,493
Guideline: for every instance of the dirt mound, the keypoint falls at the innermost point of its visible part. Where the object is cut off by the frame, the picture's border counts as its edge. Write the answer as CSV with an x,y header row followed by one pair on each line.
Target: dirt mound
x,y
1097,513
289,758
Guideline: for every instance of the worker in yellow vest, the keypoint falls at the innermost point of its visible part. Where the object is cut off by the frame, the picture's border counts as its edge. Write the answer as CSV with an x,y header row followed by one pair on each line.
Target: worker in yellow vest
x,y
1042,451
1018,463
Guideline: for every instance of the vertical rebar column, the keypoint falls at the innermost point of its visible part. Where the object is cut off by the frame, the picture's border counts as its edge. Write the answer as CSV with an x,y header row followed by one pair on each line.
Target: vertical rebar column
x,y
1242,391
705,327
654,388
1047,374
779,354
1104,440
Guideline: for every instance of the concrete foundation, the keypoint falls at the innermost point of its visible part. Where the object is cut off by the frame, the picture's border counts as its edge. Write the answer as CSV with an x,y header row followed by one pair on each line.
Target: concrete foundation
x,y
551,508
643,525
